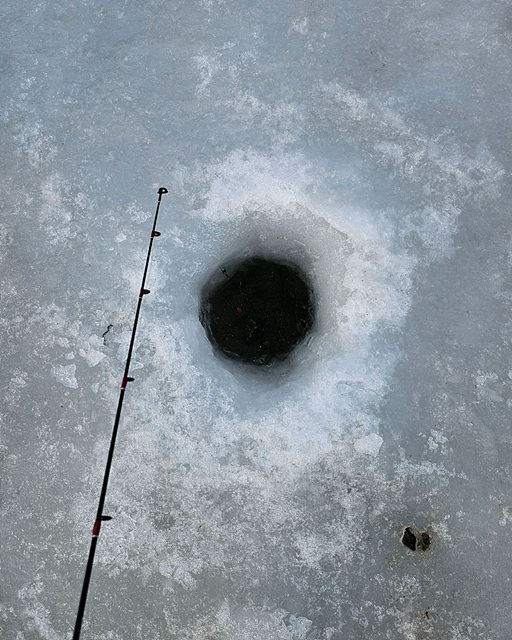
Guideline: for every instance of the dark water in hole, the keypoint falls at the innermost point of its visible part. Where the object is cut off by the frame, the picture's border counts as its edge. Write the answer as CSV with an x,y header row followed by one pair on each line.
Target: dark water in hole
x,y
258,312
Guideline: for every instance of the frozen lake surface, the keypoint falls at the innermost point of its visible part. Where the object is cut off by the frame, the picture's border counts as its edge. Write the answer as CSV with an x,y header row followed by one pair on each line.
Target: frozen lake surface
x,y
368,143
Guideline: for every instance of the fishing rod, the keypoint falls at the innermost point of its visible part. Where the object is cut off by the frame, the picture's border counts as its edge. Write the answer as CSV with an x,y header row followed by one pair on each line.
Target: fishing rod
x,y
126,379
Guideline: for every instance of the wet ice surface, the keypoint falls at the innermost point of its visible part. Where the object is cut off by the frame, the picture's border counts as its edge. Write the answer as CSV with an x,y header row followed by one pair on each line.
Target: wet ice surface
x,y
369,144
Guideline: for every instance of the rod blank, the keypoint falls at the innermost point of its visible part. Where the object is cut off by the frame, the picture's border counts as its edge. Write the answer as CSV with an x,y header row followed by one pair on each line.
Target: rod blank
x,y
126,378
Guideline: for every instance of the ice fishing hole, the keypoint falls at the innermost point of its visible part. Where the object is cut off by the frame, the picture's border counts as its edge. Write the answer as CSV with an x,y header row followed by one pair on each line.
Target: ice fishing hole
x,y
257,310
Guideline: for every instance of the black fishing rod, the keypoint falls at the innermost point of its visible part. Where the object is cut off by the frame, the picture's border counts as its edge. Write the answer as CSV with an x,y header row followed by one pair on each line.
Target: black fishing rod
x,y
126,379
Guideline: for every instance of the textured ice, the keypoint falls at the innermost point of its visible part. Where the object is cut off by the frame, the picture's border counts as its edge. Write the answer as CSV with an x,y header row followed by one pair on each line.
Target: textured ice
x,y
368,142
369,445
65,374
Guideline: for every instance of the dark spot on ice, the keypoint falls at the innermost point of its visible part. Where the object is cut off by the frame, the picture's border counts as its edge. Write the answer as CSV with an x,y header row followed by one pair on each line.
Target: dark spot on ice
x,y
105,333
423,541
258,310
413,541
409,539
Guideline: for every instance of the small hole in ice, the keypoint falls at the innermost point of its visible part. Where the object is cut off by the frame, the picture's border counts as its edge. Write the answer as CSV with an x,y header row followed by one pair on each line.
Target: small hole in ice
x,y
420,540
409,539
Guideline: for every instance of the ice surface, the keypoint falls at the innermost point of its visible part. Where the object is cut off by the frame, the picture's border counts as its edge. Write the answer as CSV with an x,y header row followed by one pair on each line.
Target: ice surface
x,y
66,374
368,142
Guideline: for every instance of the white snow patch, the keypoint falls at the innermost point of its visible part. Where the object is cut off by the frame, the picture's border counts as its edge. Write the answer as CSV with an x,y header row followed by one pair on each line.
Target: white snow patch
x,y
92,356
299,626
65,374
55,218
96,341
369,445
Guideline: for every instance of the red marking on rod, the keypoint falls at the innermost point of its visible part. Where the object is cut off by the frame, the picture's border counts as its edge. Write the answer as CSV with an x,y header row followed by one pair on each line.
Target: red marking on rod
x,y
239,309
96,528
124,382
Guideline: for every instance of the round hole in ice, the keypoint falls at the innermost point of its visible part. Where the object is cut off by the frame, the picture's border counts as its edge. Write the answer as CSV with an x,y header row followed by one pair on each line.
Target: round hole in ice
x,y
258,310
